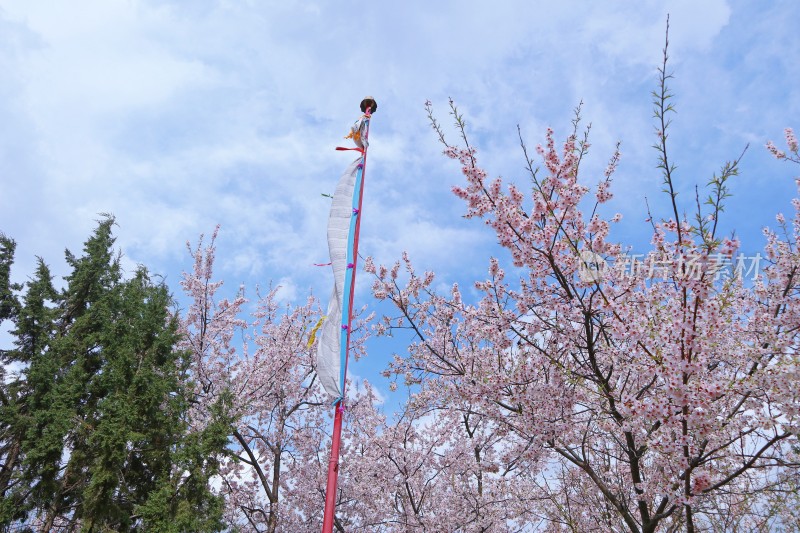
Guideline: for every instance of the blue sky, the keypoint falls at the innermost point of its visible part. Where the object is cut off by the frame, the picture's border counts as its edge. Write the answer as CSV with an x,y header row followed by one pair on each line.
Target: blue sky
x,y
177,116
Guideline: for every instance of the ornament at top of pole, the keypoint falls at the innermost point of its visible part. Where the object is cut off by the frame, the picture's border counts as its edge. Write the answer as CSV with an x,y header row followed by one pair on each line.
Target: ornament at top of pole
x,y
369,105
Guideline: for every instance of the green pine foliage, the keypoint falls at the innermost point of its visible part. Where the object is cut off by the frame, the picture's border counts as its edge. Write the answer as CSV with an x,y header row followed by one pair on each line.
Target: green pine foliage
x,y
8,302
94,420
10,433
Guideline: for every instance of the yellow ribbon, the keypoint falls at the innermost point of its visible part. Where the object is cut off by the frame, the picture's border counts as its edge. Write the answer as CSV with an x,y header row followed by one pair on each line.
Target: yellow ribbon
x,y
313,336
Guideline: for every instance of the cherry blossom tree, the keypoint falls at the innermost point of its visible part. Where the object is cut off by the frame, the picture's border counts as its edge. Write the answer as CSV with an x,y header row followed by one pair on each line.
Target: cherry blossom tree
x,y
452,466
259,374
361,503
416,470
419,469
651,395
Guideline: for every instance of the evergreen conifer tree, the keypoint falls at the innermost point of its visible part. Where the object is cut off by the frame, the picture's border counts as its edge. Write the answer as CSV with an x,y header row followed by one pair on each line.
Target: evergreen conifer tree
x,y
99,408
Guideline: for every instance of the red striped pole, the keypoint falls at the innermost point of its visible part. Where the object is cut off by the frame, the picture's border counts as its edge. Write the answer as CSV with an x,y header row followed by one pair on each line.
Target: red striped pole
x,y
368,105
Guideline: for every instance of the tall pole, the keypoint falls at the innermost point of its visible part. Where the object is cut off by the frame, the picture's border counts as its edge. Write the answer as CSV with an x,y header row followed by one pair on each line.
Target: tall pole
x,y
368,105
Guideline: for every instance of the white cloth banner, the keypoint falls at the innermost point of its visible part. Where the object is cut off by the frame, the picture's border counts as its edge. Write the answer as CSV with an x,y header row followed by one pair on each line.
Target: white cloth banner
x,y
330,362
